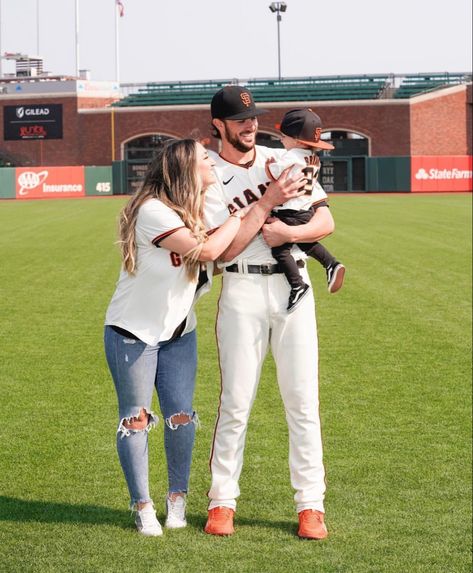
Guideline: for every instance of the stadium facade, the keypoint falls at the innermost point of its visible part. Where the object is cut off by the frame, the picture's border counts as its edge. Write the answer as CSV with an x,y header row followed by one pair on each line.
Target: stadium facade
x,y
391,133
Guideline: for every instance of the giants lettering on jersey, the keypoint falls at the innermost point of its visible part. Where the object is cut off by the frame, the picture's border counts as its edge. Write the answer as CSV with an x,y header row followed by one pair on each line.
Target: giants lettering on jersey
x,y
249,197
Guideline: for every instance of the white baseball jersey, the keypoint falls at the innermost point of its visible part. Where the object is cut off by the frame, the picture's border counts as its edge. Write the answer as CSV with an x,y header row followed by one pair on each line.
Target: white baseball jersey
x,y
239,186
154,301
296,157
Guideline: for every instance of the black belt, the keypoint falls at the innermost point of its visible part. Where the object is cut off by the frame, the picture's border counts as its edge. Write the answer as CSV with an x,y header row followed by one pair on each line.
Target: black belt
x,y
262,269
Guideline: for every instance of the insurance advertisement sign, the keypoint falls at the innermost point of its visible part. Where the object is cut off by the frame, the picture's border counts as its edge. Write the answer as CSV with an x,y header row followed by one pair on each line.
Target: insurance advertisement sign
x,y
32,121
431,174
49,182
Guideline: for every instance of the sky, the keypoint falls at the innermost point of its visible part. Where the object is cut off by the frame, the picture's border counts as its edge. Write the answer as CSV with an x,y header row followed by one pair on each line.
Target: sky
x,y
175,40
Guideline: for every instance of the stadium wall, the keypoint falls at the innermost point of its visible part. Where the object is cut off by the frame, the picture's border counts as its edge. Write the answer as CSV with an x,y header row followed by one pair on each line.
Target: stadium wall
x,y
432,125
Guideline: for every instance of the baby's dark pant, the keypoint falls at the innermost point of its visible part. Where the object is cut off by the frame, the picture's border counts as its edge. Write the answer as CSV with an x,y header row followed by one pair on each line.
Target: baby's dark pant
x,y
283,253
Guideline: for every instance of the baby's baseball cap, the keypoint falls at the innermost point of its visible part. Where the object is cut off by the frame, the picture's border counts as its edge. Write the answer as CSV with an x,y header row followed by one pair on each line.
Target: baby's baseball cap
x,y
234,102
306,126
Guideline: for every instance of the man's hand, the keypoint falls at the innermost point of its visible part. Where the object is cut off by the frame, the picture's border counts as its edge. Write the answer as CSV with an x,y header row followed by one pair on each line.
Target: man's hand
x,y
275,232
283,189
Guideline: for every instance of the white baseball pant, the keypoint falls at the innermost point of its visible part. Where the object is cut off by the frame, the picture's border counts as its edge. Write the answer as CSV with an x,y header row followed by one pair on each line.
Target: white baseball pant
x,y
252,315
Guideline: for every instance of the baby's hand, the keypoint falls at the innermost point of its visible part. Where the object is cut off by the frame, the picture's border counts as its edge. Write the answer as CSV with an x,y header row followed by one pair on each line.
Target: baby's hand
x,y
311,172
313,160
266,167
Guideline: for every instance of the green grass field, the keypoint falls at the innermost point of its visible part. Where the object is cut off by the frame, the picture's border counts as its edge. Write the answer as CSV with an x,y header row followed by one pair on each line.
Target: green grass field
x,y
395,363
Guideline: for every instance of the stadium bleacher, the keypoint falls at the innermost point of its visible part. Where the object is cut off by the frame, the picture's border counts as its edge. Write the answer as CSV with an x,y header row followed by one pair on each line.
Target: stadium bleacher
x,y
416,84
317,88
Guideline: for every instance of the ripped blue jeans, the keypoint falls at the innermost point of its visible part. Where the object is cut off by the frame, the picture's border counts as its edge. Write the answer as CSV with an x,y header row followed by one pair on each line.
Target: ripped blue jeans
x,y
137,368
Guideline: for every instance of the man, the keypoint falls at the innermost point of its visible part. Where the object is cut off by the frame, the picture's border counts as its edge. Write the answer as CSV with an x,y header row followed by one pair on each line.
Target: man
x,y
252,316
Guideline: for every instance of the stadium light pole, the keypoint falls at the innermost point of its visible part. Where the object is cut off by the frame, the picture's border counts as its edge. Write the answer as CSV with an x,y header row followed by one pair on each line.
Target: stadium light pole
x,y
1,54
278,7
37,28
77,37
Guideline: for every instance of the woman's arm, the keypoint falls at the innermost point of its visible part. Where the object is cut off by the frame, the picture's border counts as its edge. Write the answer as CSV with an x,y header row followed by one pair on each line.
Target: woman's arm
x,y
182,241
277,233
278,192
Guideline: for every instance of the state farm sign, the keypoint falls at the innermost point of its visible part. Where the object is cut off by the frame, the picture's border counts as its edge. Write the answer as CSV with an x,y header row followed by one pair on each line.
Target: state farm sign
x,y
441,173
49,182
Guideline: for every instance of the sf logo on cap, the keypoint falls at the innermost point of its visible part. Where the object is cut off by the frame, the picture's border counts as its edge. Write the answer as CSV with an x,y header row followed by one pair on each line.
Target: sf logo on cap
x,y
245,98
317,134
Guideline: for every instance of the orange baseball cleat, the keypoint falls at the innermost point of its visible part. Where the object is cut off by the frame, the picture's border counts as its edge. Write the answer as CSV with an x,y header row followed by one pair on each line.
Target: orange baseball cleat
x,y
220,521
311,525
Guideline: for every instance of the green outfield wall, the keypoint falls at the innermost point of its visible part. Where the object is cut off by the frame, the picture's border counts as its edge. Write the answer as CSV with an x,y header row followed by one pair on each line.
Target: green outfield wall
x,y
7,183
385,174
338,174
119,172
98,181
416,174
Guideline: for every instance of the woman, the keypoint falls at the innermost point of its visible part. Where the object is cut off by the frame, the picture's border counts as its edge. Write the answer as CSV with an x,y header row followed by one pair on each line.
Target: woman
x,y
150,339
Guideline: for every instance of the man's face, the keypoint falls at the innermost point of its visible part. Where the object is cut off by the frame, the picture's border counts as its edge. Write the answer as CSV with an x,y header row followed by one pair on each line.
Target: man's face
x,y
241,133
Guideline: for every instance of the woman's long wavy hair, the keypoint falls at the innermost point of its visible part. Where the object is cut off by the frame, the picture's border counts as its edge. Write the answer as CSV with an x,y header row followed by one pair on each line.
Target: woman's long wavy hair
x,y
172,178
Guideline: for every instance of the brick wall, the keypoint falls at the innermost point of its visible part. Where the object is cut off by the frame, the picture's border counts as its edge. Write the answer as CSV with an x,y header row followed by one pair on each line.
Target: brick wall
x,y
386,124
373,121
439,124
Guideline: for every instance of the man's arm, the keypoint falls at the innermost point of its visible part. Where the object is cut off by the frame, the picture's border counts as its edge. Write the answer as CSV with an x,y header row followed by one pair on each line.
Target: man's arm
x,y
278,192
277,233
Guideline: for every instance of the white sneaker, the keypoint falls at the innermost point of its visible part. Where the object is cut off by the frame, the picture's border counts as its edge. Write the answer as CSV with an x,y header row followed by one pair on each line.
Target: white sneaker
x,y
147,523
176,512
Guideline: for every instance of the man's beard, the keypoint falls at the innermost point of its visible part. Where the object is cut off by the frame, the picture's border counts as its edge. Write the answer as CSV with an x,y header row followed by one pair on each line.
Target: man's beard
x,y
236,143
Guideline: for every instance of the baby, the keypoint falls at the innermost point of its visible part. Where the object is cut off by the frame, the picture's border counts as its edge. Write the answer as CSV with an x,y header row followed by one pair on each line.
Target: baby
x,y
301,129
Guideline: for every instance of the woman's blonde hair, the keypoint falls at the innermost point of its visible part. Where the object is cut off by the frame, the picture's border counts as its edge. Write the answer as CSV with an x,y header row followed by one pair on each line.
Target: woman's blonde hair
x,y
172,178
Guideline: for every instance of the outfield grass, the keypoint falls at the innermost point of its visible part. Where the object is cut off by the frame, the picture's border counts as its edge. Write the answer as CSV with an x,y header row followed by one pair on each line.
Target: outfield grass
x,y
395,362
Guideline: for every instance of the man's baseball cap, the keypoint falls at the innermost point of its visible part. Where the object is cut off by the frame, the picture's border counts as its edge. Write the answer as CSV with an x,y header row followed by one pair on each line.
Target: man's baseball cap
x,y
234,102
305,126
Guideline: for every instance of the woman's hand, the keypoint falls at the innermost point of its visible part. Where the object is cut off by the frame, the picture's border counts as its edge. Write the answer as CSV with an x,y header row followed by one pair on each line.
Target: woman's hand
x,y
277,193
283,189
242,212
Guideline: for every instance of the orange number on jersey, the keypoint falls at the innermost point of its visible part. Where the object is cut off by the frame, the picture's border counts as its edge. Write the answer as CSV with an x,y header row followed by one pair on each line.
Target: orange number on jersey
x,y
176,259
